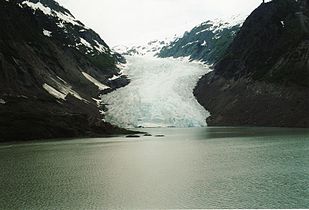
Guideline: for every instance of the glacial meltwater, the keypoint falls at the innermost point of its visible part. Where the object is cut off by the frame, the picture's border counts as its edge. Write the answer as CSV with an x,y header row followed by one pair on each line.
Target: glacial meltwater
x,y
186,168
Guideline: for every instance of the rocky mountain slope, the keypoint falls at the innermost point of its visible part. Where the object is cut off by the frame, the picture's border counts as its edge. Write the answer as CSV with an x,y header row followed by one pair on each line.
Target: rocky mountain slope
x,y
263,78
52,71
206,42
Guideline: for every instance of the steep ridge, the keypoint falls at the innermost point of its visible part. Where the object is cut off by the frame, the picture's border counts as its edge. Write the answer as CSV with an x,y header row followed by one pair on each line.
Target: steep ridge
x,y
52,71
263,78
206,42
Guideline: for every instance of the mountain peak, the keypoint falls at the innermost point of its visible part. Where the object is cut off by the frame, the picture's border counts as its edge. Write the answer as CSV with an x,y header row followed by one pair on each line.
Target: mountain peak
x,y
51,8
51,4
53,70
151,48
206,42
56,22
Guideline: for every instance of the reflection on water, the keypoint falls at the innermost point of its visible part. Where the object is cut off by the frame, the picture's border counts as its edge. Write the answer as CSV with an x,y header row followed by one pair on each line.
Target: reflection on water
x,y
188,168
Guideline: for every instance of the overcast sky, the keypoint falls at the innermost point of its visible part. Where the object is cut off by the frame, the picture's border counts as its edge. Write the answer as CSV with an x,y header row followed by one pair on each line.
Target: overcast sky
x,y
127,22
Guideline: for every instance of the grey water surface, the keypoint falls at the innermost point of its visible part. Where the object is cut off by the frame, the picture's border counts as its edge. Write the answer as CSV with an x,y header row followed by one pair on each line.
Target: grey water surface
x,y
187,168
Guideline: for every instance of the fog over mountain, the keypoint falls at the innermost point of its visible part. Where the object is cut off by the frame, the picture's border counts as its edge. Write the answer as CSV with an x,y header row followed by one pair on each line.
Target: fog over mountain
x,y
142,21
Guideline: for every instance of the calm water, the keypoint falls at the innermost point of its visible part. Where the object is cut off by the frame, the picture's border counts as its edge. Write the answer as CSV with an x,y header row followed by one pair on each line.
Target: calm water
x,y
188,168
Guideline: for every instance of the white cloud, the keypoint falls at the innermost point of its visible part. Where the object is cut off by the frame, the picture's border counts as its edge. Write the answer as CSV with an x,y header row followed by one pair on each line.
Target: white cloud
x,y
137,21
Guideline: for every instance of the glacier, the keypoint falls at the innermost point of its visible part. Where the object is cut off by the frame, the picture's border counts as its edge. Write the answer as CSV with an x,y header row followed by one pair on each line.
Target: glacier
x,y
160,94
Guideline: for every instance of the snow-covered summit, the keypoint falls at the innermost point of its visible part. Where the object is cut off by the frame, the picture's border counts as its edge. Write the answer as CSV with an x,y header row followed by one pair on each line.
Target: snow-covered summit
x,y
151,48
52,8
218,25
206,42
66,27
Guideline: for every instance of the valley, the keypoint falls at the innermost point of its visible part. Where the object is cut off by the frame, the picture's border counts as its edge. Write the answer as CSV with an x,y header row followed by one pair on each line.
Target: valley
x,y
214,116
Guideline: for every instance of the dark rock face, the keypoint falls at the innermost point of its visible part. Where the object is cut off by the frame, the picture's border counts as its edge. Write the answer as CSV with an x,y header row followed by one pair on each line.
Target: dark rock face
x,y
263,79
44,65
206,42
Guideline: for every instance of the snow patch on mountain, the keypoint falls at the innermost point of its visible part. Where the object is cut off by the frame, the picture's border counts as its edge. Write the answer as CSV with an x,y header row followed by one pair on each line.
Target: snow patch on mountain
x,y
115,77
100,47
47,33
190,43
95,82
204,44
54,92
62,90
85,43
64,17
38,6
2,101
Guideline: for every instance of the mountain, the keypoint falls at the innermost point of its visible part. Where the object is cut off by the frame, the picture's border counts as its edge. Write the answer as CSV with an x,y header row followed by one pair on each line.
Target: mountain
x,y
263,78
152,48
52,71
206,42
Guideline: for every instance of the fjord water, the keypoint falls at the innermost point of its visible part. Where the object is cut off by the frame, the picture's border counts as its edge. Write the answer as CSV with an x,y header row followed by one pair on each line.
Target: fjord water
x,y
188,168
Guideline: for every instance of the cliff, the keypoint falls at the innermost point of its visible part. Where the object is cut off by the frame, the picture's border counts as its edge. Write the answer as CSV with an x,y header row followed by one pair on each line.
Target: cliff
x,y
263,78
